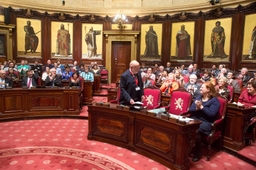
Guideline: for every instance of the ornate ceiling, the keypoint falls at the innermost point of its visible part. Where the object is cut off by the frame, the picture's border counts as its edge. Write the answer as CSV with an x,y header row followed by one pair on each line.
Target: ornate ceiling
x,y
127,7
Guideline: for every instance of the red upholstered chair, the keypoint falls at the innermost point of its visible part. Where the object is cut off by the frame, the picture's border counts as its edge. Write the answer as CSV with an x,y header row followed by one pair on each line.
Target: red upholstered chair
x,y
180,101
231,94
116,101
152,98
240,82
186,79
104,76
216,126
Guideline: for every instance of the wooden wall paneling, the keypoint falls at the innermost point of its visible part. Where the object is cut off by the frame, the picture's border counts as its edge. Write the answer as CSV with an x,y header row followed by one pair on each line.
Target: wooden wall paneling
x,y
198,41
46,40
77,41
166,42
236,42
14,35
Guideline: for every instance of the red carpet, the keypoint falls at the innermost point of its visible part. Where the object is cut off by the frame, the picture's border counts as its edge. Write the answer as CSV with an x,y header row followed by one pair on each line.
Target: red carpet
x,y
61,144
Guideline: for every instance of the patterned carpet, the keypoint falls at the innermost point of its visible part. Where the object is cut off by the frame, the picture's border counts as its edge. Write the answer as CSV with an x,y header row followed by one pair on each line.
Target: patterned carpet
x,y
61,144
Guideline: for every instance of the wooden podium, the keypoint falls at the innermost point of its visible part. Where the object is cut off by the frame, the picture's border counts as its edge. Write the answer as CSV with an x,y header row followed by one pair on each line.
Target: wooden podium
x,y
166,141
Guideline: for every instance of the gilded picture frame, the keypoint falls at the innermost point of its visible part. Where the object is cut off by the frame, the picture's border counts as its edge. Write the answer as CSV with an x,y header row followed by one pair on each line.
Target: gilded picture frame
x,y
92,41
217,39
61,39
151,42
249,39
182,41
29,37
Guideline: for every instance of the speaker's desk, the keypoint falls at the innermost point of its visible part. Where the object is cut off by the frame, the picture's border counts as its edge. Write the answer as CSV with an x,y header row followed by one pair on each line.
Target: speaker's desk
x,y
166,141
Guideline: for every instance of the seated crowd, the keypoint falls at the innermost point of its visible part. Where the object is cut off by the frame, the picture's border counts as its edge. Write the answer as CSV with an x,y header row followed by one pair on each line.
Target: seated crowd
x,y
32,75
205,86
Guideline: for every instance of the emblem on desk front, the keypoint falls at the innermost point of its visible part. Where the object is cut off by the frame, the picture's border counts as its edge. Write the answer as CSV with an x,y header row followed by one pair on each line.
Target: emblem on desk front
x,y
178,104
149,100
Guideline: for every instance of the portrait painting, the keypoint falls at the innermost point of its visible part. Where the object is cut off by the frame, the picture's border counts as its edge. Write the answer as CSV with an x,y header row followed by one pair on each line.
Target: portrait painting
x,y
151,41
29,39
182,41
61,39
217,40
92,40
249,41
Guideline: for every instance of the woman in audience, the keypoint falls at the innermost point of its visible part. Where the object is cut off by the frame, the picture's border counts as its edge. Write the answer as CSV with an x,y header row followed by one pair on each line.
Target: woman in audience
x,y
169,84
75,80
46,73
207,76
95,69
222,88
248,98
179,78
66,74
205,108
162,77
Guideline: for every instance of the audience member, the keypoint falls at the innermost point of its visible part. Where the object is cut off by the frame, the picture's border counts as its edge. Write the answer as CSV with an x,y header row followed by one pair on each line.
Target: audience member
x,y
205,108
169,84
233,82
67,73
222,88
146,81
87,75
23,68
4,80
193,86
243,75
30,80
36,67
46,73
95,69
53,79
14,75
75,80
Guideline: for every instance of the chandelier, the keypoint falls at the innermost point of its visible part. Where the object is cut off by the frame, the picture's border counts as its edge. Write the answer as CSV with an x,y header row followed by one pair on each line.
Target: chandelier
x,y
120,19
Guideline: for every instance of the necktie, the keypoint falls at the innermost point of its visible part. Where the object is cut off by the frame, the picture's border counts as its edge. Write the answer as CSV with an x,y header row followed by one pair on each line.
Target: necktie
x,y
29,82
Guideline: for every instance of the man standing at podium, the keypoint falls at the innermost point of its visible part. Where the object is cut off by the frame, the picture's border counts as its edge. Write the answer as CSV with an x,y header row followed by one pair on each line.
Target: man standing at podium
x,y
131,85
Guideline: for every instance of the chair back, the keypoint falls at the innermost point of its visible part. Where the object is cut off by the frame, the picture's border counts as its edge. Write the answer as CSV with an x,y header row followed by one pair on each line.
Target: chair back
x,y
231,93
223,107
152,98
240,82
186,79
116,101
180,101
104,75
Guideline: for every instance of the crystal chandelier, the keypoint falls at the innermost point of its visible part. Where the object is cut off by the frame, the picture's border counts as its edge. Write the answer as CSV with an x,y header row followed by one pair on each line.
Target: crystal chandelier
x,y
120,19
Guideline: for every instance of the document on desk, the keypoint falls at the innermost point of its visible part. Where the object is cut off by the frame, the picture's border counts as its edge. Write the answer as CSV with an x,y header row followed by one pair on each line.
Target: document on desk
x,y
156,111
140,103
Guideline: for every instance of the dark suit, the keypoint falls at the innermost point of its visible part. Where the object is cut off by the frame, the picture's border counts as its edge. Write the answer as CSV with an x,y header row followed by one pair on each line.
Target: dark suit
x,y
196,87
128,88
55,82
34,80
9,81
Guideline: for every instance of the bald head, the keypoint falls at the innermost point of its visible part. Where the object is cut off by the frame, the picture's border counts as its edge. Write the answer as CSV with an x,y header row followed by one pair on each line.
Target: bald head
x,y
134,66
134,63
2,74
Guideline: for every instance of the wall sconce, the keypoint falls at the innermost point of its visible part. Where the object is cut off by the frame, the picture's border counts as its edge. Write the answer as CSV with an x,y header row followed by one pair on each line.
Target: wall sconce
x,y
63,2
213,2
120,19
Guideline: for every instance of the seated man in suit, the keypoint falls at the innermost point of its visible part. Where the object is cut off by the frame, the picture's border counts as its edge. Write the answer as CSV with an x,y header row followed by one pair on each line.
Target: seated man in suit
x,y
30,80
53,79
5,81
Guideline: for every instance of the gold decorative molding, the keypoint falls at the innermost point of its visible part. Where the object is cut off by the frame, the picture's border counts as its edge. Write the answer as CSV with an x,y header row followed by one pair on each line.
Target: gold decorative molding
x,y
121,33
